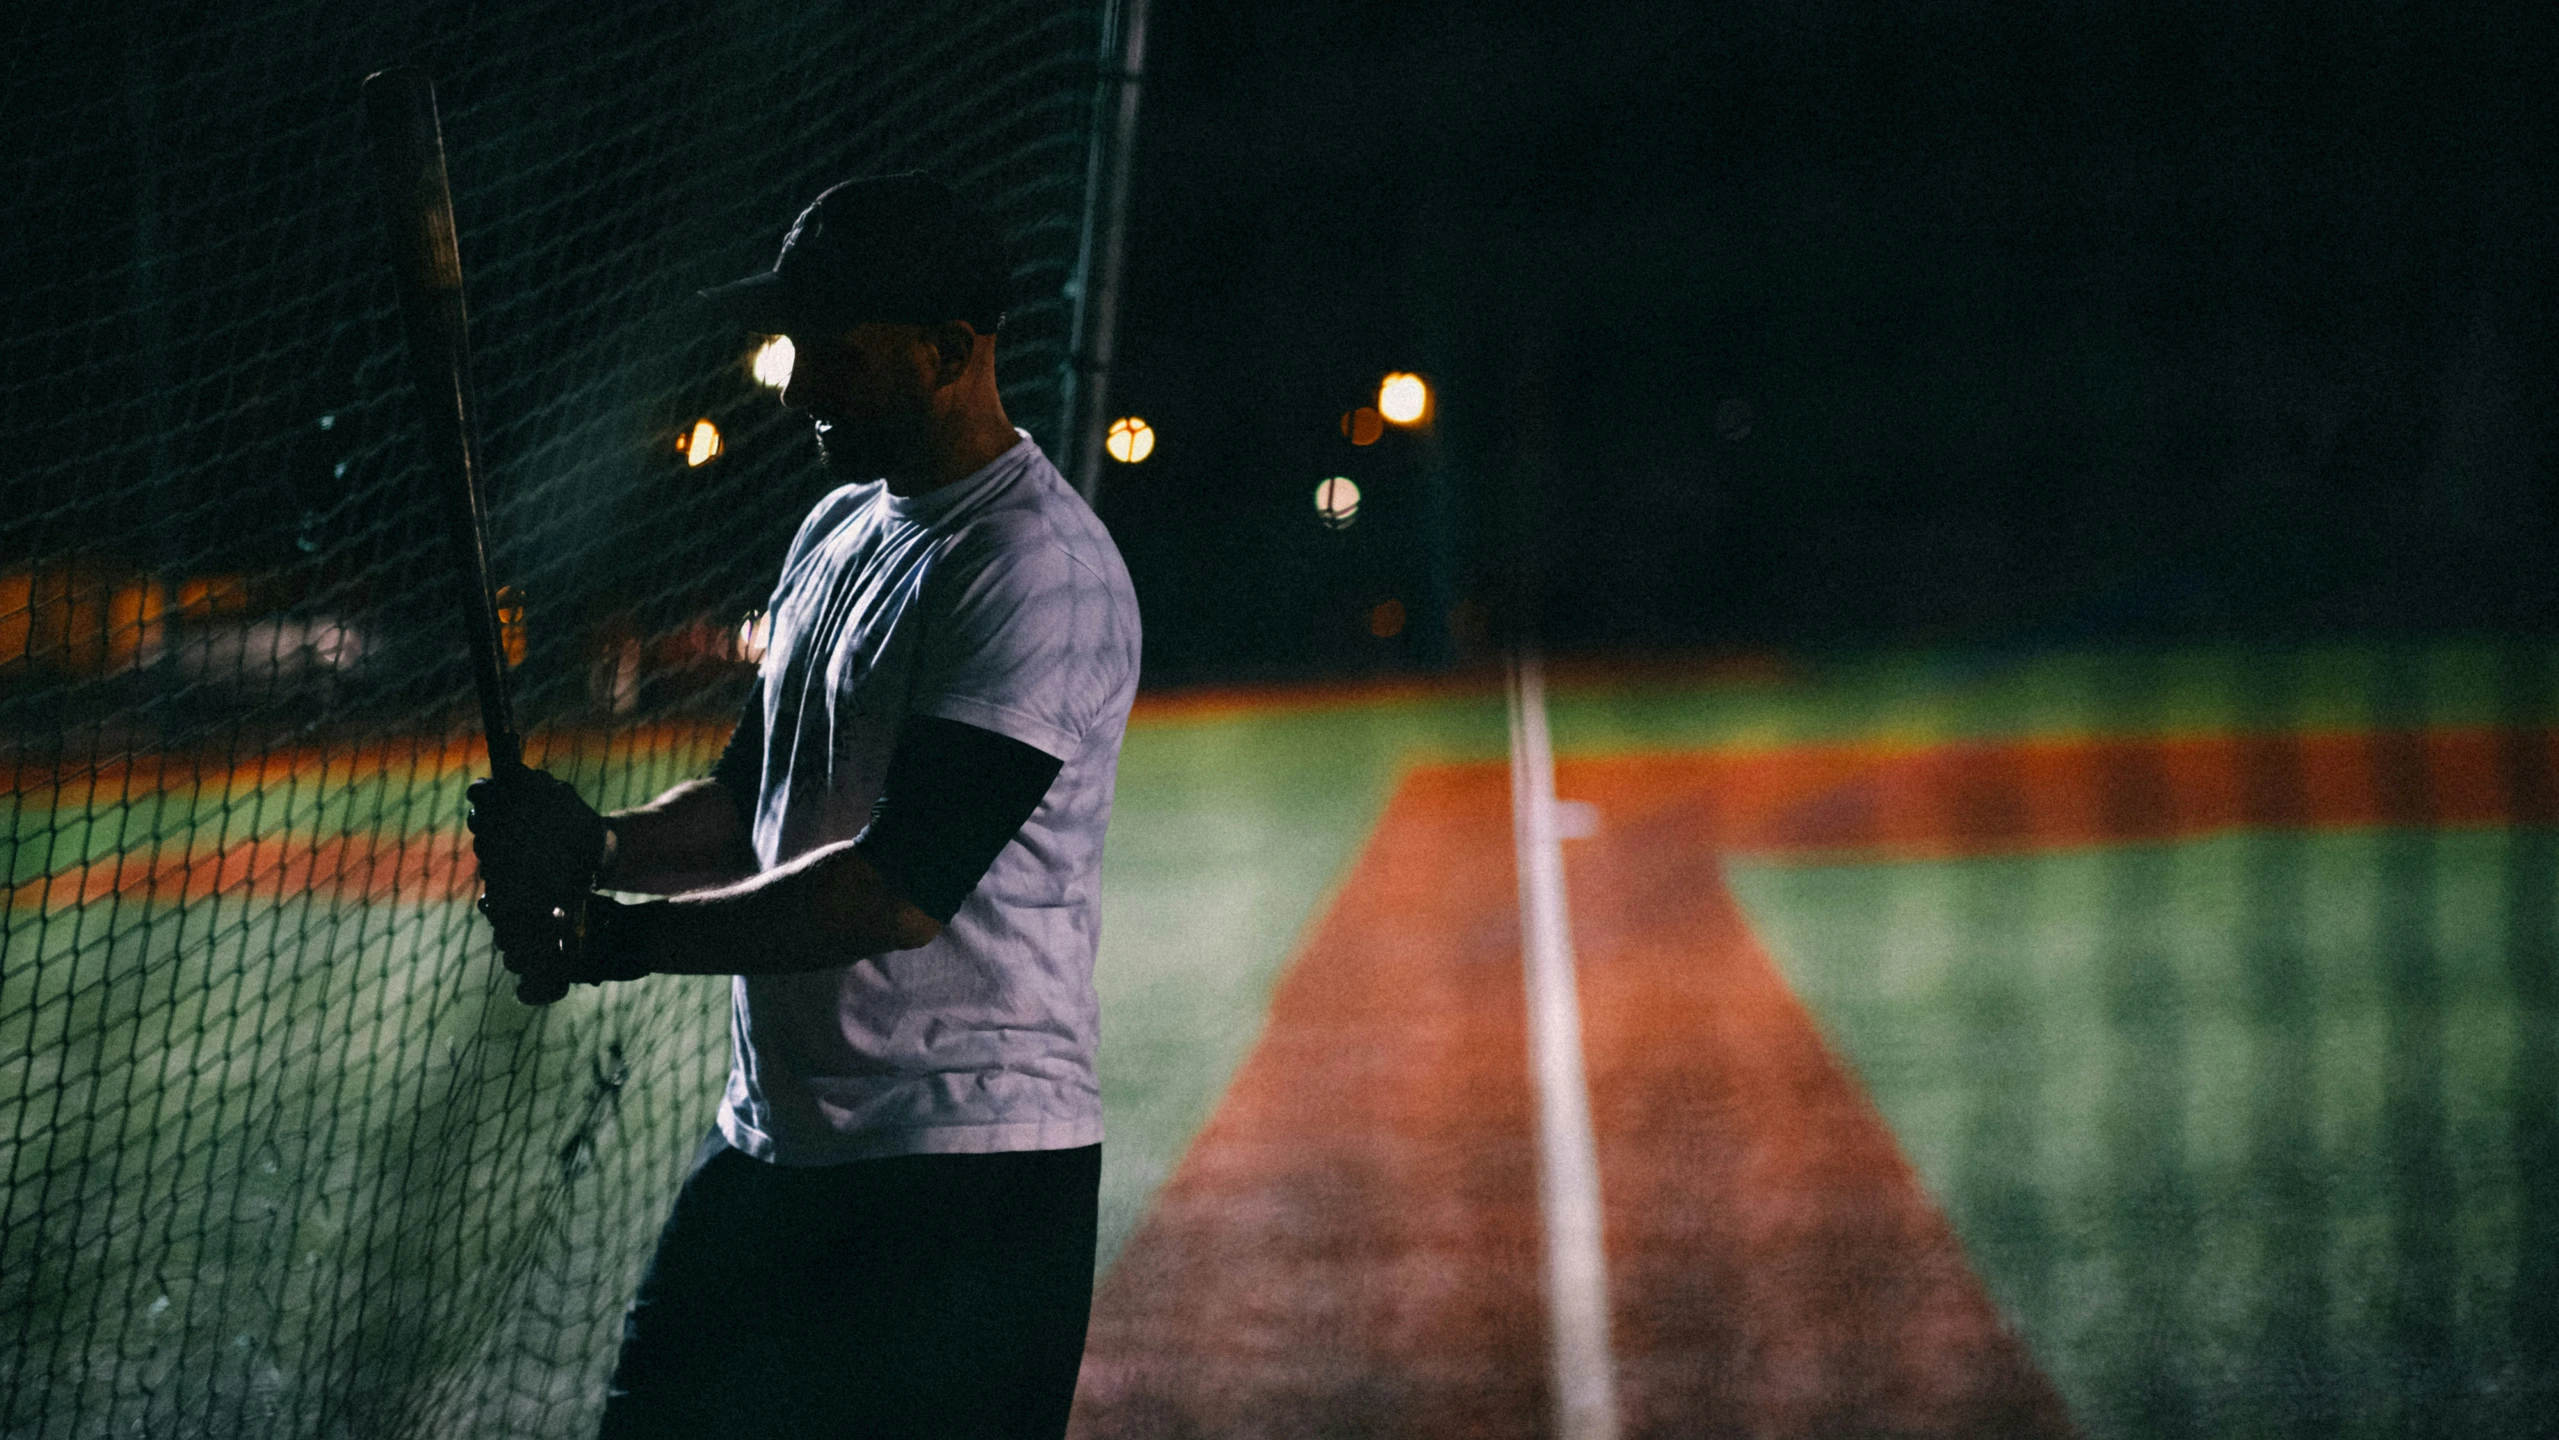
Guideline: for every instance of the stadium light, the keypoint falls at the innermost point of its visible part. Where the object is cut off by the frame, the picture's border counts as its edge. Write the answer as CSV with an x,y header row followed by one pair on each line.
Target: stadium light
x,y
1130,440
699,445
1403,399
771,362
1337,500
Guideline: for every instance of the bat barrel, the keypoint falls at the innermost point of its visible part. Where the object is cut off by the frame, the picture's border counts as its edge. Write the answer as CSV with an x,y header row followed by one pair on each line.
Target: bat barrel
x,y
408,165
426,262
407,146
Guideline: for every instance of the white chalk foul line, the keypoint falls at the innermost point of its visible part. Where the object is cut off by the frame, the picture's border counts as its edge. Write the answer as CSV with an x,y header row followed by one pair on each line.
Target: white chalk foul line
x,y
1582,1370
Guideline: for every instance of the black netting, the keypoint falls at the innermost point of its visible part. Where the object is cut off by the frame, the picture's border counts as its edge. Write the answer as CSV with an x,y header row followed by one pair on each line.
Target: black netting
x,y
283,1154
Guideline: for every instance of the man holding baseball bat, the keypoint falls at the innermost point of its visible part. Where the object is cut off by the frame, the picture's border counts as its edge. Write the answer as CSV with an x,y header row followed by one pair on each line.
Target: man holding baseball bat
x,y
890,1232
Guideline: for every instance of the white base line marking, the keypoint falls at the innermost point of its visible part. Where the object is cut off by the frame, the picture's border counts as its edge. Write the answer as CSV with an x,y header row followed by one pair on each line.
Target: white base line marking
x,y
1582,1371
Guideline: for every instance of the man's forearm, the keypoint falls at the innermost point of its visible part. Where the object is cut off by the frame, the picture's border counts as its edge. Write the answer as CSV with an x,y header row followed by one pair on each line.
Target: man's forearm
x,y
692,837
825,909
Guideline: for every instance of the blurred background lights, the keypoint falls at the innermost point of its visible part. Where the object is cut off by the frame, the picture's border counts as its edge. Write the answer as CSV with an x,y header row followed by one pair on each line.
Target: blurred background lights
x,y
700,443
1403,399
1363,426
754,636
1130,440
1387,620
772,362
1337,500
512,638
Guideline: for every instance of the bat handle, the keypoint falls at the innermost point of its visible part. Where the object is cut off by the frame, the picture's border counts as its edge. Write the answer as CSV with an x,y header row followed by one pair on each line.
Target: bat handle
x,y
540,989
506,754
547,987
506,761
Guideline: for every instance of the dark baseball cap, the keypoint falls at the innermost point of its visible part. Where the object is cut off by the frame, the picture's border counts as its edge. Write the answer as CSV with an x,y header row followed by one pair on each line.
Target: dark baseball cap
x,y
900,248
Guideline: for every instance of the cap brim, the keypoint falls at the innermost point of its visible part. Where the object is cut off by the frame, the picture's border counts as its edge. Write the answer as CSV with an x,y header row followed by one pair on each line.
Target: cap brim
x,y
759,302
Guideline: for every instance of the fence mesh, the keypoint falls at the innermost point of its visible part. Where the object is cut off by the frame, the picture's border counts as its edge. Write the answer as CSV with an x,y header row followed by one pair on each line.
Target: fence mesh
x,y
282,1154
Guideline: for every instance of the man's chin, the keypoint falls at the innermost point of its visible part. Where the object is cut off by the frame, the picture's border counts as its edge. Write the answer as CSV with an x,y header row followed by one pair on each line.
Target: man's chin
x,y
871,453
837,452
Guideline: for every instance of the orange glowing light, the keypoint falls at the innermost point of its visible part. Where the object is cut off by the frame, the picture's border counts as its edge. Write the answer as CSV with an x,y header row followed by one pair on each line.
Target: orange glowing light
x,y
1387,620
1130,440
205,595
1363,426
511,633
701,444
1403,398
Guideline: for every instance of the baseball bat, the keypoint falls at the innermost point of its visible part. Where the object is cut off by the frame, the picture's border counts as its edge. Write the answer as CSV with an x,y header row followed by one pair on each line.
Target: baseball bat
x,y
426,262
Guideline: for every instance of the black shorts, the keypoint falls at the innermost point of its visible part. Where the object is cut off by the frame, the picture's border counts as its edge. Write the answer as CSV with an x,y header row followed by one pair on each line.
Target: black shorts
x,y
917,1296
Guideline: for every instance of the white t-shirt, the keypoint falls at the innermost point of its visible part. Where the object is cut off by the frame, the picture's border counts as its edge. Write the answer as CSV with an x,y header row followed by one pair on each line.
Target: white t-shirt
x,y
997,601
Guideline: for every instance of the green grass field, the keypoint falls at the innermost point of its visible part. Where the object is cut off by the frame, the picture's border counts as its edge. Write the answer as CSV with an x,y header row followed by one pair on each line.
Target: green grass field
x,y
2229,1126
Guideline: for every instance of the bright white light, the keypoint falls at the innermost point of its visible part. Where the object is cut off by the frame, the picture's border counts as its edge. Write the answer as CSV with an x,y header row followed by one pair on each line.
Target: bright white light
x,y
772,362
1403,399
701,443
1337,500
1130,440
754,634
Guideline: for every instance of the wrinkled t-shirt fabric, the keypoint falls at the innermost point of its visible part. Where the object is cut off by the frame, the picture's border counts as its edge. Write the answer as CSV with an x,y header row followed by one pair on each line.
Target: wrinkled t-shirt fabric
x,y
998,601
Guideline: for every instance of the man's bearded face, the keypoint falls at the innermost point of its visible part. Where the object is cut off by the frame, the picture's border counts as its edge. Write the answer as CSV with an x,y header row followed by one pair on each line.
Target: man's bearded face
x,y
869,392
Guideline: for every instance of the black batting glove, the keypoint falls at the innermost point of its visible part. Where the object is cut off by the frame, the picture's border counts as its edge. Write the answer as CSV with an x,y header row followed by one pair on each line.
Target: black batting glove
x,y
528,927
538,844
601,943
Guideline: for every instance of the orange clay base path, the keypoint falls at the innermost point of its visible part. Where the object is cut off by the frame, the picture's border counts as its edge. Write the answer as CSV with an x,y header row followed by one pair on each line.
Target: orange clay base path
x,y
1963,798
1351,1245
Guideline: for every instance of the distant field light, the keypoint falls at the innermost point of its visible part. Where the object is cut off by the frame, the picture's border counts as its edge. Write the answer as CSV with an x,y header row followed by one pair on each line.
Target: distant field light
x,y
699,445
771,362
1403,399
1363,426
1386,621
512,635
754,636
1337,500
1130,440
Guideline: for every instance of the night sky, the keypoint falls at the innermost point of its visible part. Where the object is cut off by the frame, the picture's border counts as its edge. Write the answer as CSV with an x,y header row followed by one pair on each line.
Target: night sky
x,y
1827,324
1768,325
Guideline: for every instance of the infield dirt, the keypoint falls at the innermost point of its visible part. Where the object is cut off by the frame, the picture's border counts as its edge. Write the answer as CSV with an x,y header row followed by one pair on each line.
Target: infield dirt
x,y
1351,1245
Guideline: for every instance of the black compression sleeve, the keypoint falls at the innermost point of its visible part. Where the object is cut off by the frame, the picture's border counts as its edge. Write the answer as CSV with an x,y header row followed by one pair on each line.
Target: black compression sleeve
x,y
740,770
955,797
